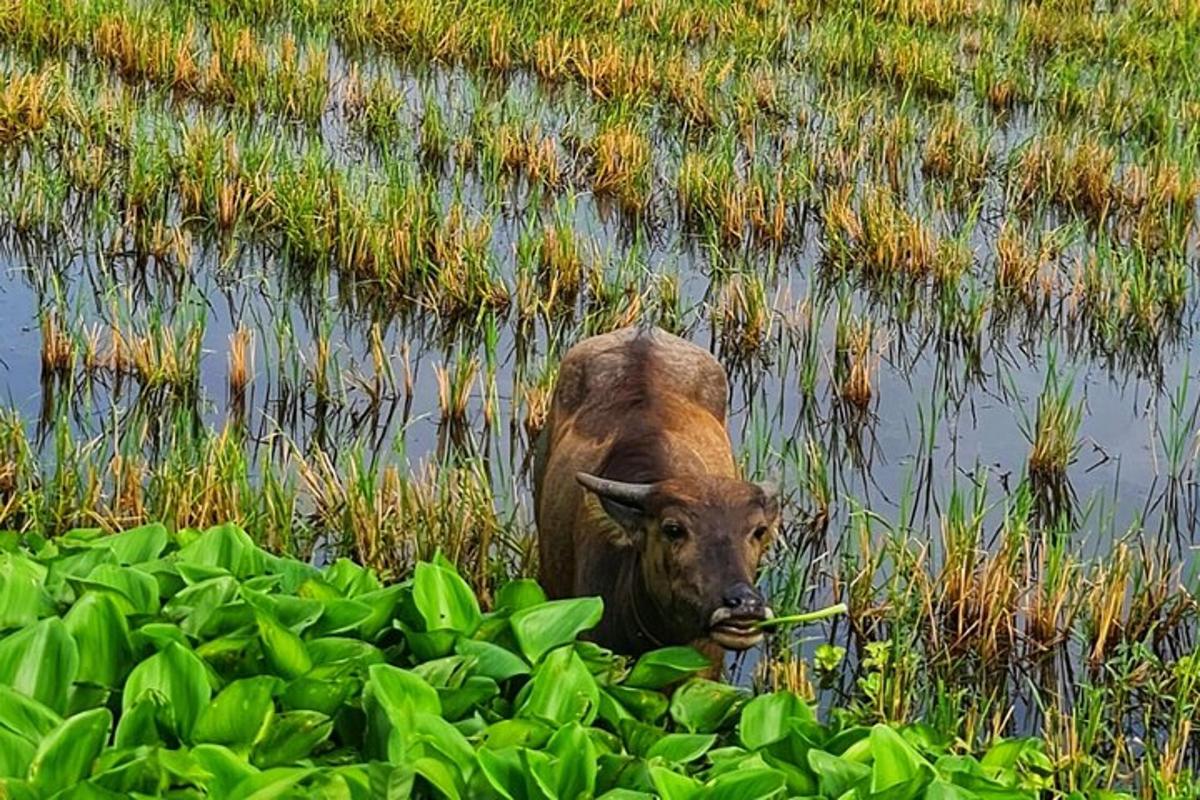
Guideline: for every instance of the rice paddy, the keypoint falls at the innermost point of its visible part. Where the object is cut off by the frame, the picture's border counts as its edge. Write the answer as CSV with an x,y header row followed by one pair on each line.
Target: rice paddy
x,y
309,267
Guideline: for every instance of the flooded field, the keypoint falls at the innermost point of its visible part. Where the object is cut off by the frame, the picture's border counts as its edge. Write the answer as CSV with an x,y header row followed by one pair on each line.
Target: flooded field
x,y
311,267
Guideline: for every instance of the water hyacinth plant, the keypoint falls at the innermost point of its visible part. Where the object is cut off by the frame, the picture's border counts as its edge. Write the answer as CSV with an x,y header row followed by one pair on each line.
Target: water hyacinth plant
x,y
196,664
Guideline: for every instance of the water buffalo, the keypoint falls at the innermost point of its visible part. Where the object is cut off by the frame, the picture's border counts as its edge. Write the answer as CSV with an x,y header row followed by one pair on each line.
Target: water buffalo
x,y
638,499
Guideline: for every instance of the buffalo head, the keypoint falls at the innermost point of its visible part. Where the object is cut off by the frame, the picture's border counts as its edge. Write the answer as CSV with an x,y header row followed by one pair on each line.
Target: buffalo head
x,y
699,542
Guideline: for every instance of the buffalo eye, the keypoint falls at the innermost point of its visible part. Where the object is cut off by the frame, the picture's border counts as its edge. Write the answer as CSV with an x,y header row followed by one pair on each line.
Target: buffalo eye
x,y
760,533
674,531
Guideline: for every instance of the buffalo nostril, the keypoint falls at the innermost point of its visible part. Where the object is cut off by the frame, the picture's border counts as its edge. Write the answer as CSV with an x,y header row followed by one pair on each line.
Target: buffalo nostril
x,y
743,597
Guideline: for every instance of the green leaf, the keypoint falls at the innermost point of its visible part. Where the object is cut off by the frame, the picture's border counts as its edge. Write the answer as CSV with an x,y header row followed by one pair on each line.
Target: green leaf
x,y
575,766
391,699
491,660
291,737
239,714
505,771
101,638
138,725
178,676
226,768
769,717
702,706
41,662
940,790
351,579
226,547
671,785
138,588
271,784
137,545
562,690
645,704
519,594
285,651
440,776
23,595
25,716
680,748
835,775
65,756
444,600
16,752
759,783
340,616
896,762
541,628
658,668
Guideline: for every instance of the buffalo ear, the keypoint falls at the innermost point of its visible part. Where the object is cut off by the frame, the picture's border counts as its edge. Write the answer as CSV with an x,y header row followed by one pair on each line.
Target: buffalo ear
x,y
770,499
625,503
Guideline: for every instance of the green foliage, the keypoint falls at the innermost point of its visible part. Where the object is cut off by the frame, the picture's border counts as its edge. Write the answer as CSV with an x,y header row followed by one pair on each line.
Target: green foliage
x,y
244,675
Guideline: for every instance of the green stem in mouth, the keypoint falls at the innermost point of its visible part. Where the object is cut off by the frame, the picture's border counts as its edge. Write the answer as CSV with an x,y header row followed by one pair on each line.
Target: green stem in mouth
x,y
800,619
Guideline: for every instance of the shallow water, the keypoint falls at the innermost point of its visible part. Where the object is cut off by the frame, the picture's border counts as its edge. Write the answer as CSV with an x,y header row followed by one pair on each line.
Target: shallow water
x,y
943,416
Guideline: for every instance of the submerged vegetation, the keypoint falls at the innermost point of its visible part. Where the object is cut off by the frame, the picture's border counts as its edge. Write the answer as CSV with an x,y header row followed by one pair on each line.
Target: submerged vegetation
x,y
310,267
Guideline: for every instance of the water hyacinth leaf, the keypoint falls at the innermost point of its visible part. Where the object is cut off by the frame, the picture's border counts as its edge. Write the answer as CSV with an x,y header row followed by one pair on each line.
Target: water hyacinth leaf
x,y
137,545
296,614
334,649
646,705
286,652
681,748
436,735
102,639
836,775
226,768
179,677
226,547
671,785
340,616
239,714
519,594
575,765
459,701
25,716
658,668
391,698
16,753
351,579
76,565
541,628
562,690
65,756
505,772
138,726
291,737
516,733
759,783
440,776
23,597
444,600
896,762
769,718
492,660
41,662
271,783
382,603
139,588
194,605
941,790
317,694
703,706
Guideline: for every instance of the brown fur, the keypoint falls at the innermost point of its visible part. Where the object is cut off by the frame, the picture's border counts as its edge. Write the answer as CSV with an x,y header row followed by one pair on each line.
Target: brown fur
x,y
646,407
